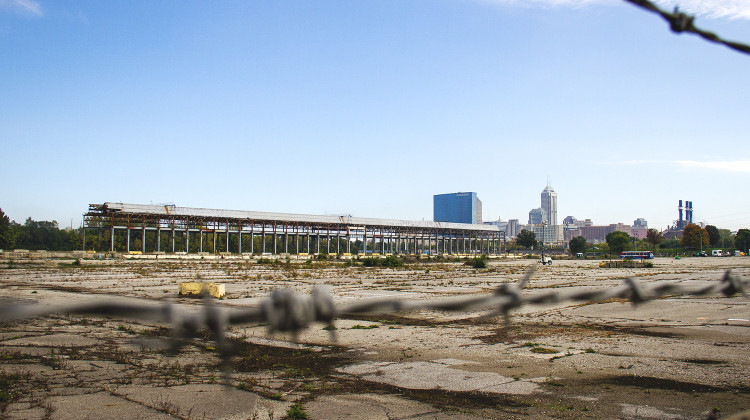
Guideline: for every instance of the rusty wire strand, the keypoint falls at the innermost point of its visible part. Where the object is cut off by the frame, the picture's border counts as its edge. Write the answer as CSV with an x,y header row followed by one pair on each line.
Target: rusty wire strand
x,y
680,22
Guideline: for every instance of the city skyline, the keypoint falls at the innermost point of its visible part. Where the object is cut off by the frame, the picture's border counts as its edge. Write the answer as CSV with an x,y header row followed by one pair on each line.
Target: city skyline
x,y
369,108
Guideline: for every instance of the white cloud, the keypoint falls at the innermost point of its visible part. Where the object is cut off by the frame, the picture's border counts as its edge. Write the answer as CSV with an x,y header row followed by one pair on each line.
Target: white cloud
x,y
734,9
718,165
24,7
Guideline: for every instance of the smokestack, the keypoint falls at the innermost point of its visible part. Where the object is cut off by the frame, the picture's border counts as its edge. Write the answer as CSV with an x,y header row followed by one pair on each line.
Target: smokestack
x,y
679,208
690,206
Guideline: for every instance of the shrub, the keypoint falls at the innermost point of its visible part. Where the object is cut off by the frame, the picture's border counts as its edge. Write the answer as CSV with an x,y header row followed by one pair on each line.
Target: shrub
x,y
392,261
371,262
478,262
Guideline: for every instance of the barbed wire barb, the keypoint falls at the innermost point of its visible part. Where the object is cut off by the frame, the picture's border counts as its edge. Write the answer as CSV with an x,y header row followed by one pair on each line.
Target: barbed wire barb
x,y
680,22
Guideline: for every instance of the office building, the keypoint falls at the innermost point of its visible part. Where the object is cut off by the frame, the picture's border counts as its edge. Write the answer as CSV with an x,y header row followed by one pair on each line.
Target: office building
x,y
537,216
461,207
549,205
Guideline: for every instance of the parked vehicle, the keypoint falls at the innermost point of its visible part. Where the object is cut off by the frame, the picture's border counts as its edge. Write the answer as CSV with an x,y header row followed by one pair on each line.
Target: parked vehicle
x,y
716,253
637,255
701,254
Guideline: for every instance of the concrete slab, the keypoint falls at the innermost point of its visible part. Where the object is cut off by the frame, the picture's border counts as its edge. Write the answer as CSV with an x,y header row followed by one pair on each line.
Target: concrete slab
x,y
53,340
432,375
212,401
374,407
101,405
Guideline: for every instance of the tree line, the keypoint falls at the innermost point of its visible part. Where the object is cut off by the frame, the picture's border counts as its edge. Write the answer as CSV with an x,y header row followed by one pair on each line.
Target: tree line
x,y
37,235
694,237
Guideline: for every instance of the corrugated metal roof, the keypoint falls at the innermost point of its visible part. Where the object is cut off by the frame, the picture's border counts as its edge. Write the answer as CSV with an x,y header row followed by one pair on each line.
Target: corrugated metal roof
x,y
172,210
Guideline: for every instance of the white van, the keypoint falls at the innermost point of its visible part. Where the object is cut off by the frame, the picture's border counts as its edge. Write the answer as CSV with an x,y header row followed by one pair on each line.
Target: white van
x,y
716,253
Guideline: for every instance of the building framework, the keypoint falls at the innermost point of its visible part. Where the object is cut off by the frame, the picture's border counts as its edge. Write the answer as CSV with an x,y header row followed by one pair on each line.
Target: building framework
x,y
283,233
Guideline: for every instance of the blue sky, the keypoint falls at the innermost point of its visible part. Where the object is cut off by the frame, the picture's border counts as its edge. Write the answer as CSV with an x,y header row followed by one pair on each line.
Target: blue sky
x,y
370,108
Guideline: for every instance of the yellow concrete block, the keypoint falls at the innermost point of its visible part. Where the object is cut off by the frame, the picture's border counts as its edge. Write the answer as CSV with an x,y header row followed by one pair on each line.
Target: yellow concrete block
x,y
135,252
196,288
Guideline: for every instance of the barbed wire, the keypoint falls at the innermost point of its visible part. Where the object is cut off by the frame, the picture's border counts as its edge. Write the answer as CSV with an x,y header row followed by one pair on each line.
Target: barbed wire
x,y
680,22
287,311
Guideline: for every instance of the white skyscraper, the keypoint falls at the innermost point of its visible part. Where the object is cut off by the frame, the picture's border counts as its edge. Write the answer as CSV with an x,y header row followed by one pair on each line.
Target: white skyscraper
x,y
549,204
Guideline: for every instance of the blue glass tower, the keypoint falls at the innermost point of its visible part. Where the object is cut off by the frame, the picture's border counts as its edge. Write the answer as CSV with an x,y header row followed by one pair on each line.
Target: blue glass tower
x,y
462,207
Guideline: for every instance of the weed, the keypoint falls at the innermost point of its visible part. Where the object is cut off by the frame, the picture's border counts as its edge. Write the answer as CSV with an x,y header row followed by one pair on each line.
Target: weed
x,y
537,348
309,386
55,362
49,409
363,327
244,386
125,328
166,407
554,383
296,411
543,350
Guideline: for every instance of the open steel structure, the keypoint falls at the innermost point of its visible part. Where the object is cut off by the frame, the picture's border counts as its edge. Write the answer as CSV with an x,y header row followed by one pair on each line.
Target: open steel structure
x,y
283,233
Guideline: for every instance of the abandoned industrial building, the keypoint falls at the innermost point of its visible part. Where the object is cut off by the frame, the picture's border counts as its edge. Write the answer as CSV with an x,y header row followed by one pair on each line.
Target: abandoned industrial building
x,y
146,227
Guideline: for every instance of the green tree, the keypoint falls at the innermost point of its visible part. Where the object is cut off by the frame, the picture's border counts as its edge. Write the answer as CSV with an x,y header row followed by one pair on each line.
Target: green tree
x,y
618,241
6,234
742,240
694,237
45,235
577,244
654,237
714,237
526,239
727,239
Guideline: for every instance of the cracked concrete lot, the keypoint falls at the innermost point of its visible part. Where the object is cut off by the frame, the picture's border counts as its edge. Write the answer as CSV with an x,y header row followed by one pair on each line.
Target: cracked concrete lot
x,y
672,358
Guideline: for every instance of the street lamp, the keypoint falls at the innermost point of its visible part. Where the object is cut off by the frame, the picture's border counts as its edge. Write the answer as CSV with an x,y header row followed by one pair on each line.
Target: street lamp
x,y
544,223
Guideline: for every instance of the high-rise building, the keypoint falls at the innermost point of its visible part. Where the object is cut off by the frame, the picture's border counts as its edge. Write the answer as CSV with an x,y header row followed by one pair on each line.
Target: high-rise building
x,y
461,207
549,205
537,216
548,234
513,229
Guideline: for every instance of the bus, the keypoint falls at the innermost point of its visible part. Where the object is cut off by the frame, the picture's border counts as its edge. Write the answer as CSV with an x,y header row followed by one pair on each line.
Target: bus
x,y
637,255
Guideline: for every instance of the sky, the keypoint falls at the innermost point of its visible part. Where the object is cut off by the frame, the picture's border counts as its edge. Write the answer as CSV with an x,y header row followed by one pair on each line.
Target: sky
x,y
371,107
